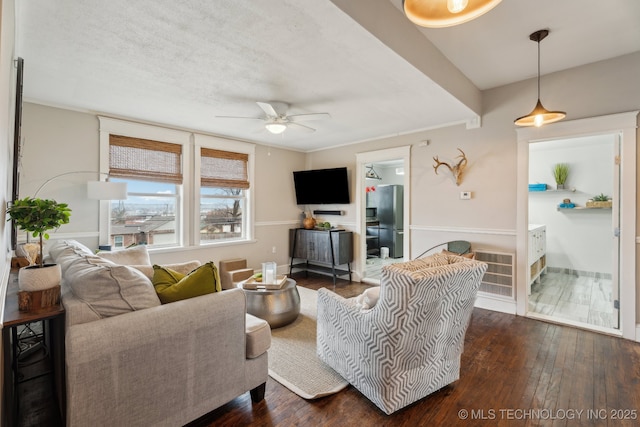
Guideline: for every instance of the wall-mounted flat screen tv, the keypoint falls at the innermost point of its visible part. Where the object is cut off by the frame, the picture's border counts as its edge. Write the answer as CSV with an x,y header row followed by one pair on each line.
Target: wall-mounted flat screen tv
x,y
321,186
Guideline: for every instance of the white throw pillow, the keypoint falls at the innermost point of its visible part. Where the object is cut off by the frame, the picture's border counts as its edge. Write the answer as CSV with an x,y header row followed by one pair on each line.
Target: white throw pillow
x,y
110,289
136,255
368,299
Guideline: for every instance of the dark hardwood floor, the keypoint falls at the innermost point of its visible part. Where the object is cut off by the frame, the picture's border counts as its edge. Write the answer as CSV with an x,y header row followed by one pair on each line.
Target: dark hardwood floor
x,y
515,372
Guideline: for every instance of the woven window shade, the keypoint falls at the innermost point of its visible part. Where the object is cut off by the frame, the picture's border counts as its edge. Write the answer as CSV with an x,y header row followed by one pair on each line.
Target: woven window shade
x,y
223,169
145,159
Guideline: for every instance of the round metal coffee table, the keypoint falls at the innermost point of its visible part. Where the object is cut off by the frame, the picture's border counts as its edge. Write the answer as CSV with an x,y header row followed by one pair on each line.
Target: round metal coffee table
x,y
278,307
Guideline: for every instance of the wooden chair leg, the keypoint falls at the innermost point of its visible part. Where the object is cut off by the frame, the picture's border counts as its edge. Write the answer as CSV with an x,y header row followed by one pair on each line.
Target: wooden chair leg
x,y
257,394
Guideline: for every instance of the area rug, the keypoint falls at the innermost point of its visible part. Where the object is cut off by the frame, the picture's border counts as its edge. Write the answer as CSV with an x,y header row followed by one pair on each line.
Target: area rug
x,y
292,357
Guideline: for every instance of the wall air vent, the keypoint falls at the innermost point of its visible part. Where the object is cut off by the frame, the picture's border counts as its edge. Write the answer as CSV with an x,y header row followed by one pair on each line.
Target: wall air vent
x,y
499,280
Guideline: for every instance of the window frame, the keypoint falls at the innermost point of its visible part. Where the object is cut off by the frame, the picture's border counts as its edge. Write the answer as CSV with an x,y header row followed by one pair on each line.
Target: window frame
x,y
218,143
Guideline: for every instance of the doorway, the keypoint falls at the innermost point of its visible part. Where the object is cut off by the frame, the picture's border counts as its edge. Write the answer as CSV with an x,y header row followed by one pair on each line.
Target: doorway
x,y
382,209
622,125
574,271
384,221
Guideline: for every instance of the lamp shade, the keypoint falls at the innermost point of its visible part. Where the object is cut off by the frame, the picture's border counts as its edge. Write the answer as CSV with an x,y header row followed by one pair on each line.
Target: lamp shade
x,y
441,13
540,116
106,190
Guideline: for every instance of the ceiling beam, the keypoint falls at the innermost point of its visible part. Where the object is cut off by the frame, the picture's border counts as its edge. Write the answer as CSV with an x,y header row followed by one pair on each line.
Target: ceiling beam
x,y
389,25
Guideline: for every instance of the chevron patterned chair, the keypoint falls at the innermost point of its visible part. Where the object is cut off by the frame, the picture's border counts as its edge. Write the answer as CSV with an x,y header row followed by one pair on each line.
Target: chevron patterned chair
x,y
409,344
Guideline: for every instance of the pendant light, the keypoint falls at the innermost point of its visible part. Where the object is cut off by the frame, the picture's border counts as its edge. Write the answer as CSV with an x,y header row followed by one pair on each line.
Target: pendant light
x,y
372,174
540,115
445,13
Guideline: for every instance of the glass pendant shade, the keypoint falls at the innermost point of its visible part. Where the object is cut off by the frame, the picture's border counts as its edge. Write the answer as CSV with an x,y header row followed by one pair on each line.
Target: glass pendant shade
x,y
276,128
441,13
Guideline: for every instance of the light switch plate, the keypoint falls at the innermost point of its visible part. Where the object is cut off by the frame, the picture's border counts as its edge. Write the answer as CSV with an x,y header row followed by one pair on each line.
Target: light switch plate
x,y
465,195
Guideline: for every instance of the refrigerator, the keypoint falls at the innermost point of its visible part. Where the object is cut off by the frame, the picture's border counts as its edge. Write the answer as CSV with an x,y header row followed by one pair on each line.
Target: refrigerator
x,y
390,203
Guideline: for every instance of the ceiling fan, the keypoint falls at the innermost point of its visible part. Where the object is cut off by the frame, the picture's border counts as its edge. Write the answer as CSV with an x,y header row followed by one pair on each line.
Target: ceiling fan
x,y
276,120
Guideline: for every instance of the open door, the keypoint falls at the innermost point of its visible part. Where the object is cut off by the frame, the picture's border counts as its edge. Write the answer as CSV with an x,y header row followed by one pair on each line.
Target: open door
x,y
574,248
369,227
615,235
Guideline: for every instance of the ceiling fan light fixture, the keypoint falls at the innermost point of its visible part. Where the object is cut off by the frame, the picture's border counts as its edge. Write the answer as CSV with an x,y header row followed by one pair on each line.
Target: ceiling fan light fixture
x,y
539,115
440,14
276,128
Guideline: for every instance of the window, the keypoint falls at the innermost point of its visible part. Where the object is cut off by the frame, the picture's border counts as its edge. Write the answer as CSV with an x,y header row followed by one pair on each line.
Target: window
x,y
184,189
223,181
153,173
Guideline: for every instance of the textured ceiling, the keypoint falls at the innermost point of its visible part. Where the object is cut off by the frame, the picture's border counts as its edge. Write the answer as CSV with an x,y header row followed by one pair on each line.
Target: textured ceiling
x,y
183,63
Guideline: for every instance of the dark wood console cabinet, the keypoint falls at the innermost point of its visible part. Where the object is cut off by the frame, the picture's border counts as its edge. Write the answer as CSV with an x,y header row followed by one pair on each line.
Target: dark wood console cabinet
x,y
321,251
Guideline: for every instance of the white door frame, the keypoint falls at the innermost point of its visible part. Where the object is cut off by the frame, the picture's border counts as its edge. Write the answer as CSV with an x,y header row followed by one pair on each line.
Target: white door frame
x,y
624,124
362,159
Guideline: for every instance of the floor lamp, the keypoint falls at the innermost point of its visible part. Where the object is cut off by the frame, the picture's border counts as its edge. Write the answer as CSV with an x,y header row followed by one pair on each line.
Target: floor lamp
x,y
98,190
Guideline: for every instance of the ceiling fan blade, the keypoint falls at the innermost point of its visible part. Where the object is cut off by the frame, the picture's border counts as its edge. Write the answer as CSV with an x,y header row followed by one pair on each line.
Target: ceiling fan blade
x,y
308,117
268,109
238,117
301,127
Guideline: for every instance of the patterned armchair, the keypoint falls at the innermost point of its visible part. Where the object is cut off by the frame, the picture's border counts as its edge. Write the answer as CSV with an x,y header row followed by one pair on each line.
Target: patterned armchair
x,y
409,344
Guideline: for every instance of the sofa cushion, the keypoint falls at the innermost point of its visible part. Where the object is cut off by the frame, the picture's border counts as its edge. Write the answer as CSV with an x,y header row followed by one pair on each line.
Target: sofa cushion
x,y
173,286
65,252
258,336
181,267
109,289
435,260
136,255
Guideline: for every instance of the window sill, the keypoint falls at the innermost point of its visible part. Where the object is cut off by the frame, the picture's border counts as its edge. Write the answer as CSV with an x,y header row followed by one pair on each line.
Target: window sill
x,y
203,246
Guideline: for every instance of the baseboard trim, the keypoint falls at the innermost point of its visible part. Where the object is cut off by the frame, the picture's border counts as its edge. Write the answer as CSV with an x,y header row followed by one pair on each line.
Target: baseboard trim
x,y
488,302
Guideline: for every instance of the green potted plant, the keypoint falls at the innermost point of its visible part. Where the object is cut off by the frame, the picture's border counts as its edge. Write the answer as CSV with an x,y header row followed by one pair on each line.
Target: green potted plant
x,y
37,216
600,201
560,173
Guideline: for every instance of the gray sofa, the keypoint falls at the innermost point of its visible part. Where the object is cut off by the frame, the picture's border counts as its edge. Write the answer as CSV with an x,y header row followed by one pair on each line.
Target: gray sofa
x,y
132,361
399,342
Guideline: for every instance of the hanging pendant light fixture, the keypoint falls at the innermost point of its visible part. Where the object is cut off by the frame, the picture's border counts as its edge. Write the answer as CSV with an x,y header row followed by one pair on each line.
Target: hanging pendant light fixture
x,y
372,174
540,115
445,13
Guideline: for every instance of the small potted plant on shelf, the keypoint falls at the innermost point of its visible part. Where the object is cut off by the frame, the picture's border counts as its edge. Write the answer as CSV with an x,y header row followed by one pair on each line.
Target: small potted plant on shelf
x,y
600,201
560,173
37,216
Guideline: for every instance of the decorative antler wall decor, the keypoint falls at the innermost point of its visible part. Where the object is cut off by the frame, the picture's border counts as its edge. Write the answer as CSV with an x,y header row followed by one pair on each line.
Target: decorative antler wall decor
x,y
456,170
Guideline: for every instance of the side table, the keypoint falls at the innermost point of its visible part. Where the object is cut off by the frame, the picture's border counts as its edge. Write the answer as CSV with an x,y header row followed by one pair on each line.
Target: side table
x,y
51,338
278,307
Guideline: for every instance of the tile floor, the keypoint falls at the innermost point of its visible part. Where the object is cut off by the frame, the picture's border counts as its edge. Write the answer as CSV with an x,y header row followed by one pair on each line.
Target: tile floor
x,y
576,298
374,266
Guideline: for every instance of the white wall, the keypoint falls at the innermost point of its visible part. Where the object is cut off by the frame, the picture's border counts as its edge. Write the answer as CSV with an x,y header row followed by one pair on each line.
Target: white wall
x,y
488,220
437,214
579,240
59,140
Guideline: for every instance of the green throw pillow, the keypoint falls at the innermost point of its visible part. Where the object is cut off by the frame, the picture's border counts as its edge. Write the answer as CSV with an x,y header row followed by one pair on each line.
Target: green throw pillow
x,y
173,286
